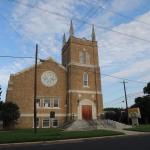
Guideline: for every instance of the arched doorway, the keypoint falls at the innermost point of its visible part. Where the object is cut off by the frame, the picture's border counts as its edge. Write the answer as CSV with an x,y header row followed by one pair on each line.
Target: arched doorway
x,y
86,110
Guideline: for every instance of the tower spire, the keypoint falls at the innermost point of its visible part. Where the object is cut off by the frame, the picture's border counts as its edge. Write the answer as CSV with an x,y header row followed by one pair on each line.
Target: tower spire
x,y
64,40
93,33
71,31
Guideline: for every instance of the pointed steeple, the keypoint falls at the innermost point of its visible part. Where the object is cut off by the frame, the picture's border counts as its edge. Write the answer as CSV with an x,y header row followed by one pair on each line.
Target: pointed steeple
x,y
93,33
71,31
64,40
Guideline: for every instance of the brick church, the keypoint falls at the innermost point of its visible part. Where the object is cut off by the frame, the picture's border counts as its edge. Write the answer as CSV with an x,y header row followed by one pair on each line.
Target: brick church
x,y
69,91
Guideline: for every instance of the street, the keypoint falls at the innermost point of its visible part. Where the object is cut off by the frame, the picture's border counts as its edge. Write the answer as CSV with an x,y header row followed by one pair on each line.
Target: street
x,y
141,142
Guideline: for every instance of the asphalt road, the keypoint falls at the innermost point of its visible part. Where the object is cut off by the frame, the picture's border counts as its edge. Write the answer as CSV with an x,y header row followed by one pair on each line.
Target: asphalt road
x,y
141,142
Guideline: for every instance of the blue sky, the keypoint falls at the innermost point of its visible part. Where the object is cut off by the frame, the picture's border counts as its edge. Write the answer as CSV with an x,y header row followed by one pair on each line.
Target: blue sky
x,y
24,23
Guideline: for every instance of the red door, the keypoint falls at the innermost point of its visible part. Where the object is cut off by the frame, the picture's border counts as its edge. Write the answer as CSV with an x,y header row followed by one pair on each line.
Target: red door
x,y
87,112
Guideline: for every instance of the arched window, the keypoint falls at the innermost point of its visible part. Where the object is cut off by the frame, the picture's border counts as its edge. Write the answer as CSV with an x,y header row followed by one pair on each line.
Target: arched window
x,y
85,79
84,57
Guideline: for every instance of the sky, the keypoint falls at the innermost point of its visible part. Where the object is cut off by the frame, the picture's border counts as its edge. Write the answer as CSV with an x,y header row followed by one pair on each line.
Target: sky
x,y
122,30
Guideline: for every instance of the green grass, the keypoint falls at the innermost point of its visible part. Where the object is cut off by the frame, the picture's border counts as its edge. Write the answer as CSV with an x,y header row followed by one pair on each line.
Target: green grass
x,y
140,128
27,135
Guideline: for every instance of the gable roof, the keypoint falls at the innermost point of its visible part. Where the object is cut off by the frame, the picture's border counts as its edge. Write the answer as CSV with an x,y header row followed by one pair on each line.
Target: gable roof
x,y
39,63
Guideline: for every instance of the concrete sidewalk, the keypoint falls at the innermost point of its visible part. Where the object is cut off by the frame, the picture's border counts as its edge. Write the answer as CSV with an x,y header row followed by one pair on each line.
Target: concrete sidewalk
x,y
127,132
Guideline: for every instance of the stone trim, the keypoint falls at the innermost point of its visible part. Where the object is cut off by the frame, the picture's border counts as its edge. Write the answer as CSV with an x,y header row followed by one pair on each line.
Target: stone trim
x,y
41,115
82,65
84,92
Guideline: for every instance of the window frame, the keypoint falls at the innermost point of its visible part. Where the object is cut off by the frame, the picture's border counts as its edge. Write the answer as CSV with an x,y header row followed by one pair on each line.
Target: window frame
x,y
56,98
49,104
38,104
46,118
53,123
87,79
84,57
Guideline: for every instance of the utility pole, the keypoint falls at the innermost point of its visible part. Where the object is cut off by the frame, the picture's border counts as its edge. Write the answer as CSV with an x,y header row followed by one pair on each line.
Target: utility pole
x,y
35,89
126,100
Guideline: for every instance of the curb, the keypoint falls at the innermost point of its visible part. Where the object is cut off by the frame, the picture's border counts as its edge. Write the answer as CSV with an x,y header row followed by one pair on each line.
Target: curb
x,y
66,140
62,141
59,141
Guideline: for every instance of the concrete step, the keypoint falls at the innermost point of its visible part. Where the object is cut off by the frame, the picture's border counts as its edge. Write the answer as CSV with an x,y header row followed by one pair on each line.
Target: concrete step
x,y
81,125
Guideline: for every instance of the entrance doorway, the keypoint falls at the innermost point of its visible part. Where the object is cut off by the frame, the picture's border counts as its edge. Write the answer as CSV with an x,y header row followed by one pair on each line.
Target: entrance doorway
x,y
87,112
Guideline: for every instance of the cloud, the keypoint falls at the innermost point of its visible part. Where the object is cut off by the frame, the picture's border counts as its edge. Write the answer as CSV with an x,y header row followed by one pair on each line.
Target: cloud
x,y
127,56
119,55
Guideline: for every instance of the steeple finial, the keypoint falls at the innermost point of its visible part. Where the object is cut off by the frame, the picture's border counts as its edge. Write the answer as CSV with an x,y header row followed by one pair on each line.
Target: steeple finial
x,y
71,31
64,40
93,33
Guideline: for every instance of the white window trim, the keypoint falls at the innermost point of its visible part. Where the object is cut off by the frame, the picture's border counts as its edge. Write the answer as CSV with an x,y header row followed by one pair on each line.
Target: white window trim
x,y
58,103
44,103
51,101
87,86
39,105
46,126
57,123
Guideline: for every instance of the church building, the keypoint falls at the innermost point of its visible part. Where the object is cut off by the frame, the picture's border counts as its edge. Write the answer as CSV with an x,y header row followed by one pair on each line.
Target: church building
x,y
65,92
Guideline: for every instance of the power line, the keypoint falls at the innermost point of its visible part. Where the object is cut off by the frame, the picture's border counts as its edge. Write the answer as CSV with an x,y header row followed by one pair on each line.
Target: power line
x,y
123,78
124,16
19,57
88,70
112,76
84,21
89,14
134,94
10,25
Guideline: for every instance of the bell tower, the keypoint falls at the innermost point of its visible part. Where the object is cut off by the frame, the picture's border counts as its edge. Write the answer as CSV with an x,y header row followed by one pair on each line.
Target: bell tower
x,y
80,57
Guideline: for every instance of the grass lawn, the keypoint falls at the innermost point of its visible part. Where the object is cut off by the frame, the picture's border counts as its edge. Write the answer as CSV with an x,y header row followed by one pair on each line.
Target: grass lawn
x,y
27,135
140,128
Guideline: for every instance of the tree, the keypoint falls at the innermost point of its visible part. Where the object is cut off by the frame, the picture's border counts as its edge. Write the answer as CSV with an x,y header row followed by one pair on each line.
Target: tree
x,y
1,103
10,114
116,114
144,104
146,89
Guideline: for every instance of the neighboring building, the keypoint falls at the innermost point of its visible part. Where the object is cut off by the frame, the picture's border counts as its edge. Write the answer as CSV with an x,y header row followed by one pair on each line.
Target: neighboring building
x,y
71,90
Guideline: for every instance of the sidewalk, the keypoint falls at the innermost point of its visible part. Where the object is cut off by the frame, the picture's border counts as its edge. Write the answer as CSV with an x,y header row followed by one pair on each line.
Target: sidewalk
x,y
126,132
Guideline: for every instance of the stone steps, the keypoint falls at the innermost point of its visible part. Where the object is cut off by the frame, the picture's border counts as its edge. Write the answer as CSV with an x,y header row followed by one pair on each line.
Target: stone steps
x,y
81,125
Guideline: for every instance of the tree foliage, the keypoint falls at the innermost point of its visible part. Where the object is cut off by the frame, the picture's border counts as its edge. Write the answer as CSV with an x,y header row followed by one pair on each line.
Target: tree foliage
x,y
9,113
146,89
144,104
116,114
1,102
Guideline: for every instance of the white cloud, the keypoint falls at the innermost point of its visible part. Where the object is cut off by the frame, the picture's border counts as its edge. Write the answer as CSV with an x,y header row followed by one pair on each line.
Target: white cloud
x,y
129,56
136,69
